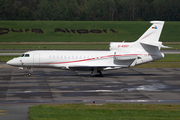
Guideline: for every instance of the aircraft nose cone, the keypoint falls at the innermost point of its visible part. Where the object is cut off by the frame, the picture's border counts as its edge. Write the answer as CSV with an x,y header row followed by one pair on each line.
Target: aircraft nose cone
x,y
9,62
12,62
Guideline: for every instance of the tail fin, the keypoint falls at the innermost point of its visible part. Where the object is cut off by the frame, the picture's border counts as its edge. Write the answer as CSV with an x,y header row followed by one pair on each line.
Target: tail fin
x,y
153,33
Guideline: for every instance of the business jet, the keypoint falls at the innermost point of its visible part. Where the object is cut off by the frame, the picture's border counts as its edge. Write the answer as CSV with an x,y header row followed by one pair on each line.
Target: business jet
x,y
121,55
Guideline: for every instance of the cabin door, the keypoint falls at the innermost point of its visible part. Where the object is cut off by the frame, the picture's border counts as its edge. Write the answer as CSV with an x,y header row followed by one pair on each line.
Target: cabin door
x,y
36,59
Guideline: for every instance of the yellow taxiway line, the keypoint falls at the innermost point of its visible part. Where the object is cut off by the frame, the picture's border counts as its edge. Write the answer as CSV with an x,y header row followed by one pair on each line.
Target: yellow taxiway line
x,y
2,112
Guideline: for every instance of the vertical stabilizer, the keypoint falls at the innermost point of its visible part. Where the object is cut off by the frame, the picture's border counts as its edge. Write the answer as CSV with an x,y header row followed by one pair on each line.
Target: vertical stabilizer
x,y
153,33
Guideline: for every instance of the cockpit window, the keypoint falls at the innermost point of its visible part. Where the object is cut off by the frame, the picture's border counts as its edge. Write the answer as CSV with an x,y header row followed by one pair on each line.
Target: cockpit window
x,y
27,55
22,55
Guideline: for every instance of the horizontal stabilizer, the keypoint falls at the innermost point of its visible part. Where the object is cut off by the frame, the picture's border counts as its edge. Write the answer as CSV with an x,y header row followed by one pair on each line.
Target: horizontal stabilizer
x,y
155,44
162,46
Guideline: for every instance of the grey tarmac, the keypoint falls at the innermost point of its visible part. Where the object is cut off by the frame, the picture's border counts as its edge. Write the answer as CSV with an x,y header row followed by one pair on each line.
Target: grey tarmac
x,y
123,85
54,86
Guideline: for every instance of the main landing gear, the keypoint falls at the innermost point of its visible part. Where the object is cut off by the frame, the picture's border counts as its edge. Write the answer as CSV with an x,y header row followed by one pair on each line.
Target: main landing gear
x,y
30,72
96,72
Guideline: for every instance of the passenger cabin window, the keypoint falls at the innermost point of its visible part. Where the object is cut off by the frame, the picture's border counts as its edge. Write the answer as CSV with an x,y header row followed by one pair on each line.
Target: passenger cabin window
x,y
27,55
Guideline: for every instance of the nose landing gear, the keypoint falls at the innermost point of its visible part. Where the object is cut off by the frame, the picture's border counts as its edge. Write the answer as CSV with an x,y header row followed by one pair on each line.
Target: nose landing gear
x,y
29,75
30,72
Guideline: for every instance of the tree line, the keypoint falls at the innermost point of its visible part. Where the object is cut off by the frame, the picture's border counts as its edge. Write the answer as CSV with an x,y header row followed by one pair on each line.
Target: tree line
x,y
90,10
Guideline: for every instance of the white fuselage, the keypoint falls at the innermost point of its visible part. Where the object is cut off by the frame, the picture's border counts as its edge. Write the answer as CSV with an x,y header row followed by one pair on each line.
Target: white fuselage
x,y
78,59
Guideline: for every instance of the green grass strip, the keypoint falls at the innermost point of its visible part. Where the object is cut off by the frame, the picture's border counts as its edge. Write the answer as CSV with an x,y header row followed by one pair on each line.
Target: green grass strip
x,y
65,46
125,31
159,65
55,47
104,112
170,58
6,58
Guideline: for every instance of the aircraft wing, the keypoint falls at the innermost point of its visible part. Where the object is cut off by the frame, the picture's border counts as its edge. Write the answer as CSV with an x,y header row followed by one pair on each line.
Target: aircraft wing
x,y
120,61
91,68
125,57
86,68
127,61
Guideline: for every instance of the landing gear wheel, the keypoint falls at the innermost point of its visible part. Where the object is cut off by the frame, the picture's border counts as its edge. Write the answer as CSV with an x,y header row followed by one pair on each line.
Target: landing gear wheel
x,y
30,72
29,75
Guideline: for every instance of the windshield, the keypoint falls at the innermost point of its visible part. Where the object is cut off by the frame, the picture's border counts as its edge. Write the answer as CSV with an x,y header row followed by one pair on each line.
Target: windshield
x,y
22,55
25,55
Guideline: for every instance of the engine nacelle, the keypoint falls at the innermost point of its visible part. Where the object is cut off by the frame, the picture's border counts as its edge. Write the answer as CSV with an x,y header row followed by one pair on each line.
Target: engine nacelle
x,y
119,45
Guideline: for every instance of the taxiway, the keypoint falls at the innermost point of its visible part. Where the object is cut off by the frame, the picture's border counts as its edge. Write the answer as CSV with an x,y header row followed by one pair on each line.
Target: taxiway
x,y
53,86
134,85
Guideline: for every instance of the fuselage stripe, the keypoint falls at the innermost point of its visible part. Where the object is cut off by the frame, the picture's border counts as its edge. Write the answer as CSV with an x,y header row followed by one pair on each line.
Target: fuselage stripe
x,y
108,56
